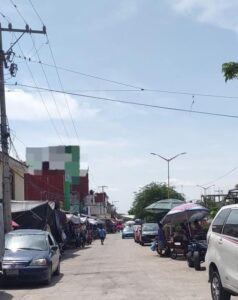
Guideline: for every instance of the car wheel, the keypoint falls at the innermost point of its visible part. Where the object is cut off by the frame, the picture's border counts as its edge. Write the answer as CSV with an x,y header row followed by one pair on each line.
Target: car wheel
x,y
173,255
189,260
57,271
217,290
48,280
123,237
196,260
160,252
142,244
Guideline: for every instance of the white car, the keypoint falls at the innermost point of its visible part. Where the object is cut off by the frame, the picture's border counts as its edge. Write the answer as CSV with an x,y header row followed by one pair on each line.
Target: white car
x,y
222,253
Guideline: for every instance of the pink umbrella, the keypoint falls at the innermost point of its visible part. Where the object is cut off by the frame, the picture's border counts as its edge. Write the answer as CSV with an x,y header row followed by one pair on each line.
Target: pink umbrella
x,y
14,224
187,212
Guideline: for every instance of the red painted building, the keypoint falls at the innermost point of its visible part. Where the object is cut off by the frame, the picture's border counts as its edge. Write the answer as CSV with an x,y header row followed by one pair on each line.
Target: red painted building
x,y
49,185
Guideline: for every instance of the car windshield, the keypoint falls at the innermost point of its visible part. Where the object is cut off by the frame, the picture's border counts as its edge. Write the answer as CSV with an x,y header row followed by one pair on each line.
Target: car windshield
x,y
150,228
25,242
128,229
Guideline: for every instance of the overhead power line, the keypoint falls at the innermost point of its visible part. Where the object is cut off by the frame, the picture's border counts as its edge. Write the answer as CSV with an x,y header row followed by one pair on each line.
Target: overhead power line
x,y
36,12
133,87
136,88
48,84
33,78
221,177
18,11
57,72
128,102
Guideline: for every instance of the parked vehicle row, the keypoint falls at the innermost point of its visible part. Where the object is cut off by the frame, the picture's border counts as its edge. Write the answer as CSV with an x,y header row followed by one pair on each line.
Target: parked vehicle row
x,y
219,249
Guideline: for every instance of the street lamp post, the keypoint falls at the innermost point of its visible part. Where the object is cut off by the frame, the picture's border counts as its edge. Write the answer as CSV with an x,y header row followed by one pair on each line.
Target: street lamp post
x,y
205,190
168,162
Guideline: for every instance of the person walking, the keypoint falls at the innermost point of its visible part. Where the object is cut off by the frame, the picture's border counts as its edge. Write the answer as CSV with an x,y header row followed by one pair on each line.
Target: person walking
x,y
161,237
102,234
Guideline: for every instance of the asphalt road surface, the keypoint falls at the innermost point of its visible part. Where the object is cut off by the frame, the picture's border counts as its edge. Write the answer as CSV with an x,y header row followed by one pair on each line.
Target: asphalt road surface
x,y
120,269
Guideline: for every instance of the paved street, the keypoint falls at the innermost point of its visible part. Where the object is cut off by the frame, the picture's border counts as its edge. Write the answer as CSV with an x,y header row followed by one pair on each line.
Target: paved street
x,y
122,270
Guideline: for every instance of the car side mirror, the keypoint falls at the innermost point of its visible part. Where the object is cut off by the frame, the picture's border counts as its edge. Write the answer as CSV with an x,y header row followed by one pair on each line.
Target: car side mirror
x,y
54,248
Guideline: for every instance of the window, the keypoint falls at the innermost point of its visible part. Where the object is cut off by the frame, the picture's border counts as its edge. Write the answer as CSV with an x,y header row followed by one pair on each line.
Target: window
x,y
50,241
231,226
219,220
25,241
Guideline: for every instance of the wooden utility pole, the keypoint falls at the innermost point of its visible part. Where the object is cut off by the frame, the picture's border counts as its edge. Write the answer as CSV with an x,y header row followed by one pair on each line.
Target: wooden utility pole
x,y
5,133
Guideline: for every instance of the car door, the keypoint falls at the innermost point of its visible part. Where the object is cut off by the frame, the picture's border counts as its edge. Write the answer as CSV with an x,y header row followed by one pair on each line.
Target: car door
x,y
214,251
228,248
54,253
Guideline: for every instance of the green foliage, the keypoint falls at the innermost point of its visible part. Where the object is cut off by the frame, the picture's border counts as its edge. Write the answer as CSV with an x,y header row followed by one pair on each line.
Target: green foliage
x,y
230,70
210,203
148,195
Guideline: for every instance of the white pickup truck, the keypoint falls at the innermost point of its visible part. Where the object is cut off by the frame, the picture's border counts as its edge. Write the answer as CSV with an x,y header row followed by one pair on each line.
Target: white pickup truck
x,y
1,236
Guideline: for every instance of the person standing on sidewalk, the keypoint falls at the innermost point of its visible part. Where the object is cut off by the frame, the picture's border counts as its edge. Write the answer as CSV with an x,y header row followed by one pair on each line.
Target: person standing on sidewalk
x,y
102,234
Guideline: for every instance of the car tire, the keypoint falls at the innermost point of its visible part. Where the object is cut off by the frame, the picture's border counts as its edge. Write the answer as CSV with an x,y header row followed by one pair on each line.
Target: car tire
x,y
196,261
48,280
189,260
123,237
173,255
57,271
217,290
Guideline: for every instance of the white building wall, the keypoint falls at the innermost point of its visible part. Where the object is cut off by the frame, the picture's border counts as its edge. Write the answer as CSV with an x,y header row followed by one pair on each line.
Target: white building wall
x,y
18,169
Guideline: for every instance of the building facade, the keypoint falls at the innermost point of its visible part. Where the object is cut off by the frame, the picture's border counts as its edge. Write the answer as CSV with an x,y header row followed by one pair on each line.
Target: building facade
x,y
17,171
54,175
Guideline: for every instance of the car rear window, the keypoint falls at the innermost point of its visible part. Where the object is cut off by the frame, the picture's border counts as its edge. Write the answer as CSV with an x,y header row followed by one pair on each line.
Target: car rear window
x,y
152,227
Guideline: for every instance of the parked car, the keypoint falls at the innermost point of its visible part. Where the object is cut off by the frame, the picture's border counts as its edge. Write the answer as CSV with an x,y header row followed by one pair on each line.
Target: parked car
x,y
30,255
148,233
137,231
222,253
128,232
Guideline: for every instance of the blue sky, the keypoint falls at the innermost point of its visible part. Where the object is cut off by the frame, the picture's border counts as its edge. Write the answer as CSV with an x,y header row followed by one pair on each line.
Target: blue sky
x,y
174,45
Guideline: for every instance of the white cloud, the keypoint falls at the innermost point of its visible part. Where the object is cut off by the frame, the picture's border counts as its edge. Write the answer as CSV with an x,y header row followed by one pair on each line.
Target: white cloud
x,y
26,106
122,11
221,13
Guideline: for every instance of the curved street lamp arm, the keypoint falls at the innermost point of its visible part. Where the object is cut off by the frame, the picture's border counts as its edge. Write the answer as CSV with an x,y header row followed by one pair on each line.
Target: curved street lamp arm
x,y
205,188
160,156
177,155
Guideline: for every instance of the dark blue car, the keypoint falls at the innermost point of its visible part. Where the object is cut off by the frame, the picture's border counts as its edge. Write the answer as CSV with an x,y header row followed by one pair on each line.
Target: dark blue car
x,y
30,255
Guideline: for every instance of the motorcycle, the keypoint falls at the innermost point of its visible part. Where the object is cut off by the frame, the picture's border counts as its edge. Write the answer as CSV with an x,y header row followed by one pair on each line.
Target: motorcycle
x,y
79,241
196,253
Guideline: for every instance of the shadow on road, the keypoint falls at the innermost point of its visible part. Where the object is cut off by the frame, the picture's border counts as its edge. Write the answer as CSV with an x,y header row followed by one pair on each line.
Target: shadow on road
x,y
85,248
19,285
73,252
70,253
5,296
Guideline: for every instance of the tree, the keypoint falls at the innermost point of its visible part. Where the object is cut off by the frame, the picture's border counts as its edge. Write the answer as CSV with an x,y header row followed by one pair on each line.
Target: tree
x,y
148,195
230,70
